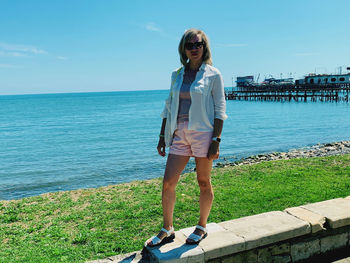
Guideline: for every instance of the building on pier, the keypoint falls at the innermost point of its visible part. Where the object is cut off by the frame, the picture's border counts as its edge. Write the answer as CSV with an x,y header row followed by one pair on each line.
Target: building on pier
x,y
245,81
314,87
326,79
248,82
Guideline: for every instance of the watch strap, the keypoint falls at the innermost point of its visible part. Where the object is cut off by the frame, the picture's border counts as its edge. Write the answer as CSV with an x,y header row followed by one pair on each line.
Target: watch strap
x,y
216,139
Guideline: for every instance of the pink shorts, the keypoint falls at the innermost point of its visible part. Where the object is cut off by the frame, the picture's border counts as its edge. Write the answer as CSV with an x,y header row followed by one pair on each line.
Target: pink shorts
x,y
190,143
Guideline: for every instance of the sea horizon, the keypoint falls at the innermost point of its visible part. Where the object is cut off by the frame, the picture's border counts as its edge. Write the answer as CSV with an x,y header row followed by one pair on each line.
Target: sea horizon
x,y
80,92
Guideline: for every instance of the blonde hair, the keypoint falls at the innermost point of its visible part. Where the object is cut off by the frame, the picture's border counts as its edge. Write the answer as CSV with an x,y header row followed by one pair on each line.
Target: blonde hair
x,y
206,58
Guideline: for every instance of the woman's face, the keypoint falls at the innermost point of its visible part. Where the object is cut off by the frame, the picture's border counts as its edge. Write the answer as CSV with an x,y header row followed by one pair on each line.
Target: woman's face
x,y
194,52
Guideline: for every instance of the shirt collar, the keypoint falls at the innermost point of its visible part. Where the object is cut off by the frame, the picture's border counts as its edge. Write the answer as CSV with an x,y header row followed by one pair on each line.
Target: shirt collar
x,y
202,68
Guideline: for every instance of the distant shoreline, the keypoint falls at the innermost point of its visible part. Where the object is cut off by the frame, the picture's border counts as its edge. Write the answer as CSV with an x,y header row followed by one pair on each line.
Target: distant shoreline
x,y
77,92
318,150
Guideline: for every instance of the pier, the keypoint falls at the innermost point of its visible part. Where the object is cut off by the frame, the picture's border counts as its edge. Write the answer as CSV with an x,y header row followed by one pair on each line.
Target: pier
x,y
292,92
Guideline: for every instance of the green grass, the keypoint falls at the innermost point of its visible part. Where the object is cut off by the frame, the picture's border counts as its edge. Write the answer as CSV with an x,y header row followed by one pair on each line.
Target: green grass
x,y
81,225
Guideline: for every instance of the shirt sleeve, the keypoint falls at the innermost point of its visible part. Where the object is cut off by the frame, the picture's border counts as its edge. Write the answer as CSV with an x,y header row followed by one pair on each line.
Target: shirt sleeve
x,y
219,98
166,109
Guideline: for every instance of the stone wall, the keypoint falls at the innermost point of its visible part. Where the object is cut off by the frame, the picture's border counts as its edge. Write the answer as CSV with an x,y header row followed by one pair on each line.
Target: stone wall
x,y
297,234
293,250
293,235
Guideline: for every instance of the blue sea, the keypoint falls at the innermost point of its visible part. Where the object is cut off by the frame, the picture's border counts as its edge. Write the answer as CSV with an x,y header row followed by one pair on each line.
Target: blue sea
x,y
57,142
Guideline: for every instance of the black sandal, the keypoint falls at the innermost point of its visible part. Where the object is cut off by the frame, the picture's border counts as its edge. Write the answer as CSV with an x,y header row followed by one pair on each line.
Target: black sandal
x,y
156,241
196,238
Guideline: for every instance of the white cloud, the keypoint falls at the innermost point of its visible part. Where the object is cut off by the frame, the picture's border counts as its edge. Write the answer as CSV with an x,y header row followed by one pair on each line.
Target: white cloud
x,y
61,57
11,54
231,45
15,50
151,26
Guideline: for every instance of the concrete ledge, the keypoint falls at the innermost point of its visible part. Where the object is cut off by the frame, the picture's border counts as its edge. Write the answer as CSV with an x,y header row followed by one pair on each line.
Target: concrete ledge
x,y
336,211
221,242
295,235
267,228
176,251
133,257
315,220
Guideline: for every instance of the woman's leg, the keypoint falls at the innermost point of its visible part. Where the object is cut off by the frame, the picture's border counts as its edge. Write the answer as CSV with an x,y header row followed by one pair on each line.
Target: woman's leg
x,y
203,169
174,167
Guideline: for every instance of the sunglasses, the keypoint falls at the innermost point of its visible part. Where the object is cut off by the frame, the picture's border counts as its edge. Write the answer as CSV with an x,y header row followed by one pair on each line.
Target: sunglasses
x,y
195,45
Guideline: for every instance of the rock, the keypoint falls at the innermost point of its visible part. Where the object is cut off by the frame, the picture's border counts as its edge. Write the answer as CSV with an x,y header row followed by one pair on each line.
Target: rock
x,y
305,250
318,150
333,242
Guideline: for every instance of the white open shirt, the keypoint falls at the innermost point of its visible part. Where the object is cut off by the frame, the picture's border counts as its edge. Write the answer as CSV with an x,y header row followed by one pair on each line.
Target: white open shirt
x,y
207,101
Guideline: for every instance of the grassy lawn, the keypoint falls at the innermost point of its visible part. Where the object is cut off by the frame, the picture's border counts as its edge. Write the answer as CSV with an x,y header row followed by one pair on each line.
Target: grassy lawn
x,y
81,225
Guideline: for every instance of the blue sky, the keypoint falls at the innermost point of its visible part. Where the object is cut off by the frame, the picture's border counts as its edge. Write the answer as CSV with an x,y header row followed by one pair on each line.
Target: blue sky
x,y
89,46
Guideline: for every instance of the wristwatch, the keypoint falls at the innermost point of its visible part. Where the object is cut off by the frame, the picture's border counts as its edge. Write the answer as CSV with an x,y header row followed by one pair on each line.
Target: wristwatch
x,y
216,139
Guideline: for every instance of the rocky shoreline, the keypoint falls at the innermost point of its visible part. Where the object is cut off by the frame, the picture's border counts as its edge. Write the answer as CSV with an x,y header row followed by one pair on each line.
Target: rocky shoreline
x,y
317,150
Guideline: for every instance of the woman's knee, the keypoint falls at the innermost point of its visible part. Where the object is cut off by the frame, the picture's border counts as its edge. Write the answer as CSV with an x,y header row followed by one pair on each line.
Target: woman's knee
x,y
204,183
169,182
206,188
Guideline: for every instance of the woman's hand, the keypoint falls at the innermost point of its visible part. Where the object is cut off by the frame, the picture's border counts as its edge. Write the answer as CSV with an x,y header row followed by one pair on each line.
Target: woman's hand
x,y
161,146
213,152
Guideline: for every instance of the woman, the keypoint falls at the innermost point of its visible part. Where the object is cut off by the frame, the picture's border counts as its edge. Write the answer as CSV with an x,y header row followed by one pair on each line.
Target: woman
x,y
192,123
